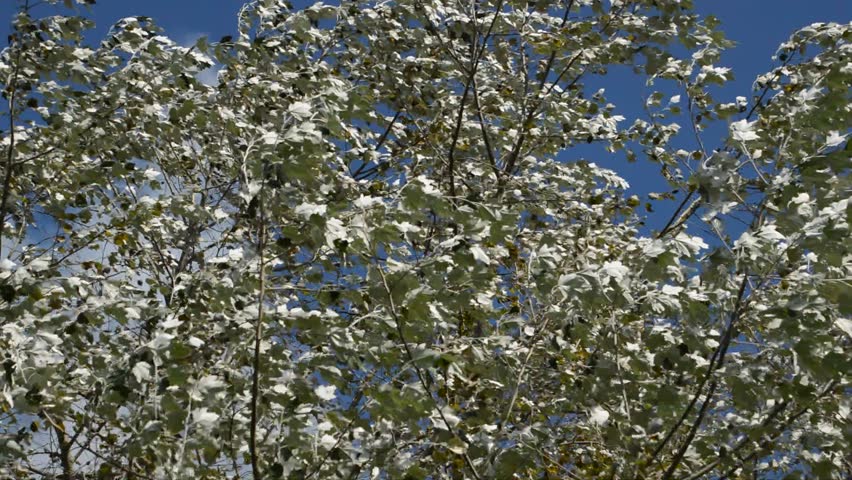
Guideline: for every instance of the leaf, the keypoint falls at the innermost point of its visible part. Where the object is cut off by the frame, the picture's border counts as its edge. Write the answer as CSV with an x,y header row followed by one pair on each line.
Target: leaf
x,y
479,254
598,416
205,419
743,131
142,372
844,324
307,209
326,392
300,110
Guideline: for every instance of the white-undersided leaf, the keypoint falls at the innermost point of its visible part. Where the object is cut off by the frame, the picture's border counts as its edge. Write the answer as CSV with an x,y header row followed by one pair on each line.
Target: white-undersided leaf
x,y
161,340
834,139
235,255
300,110
693,243
615,270
671,290
598,416
171,322
479,254
335,230
844,324
132,313
327,441
700,361
249,190
801,198
769,232
428,186
142,372
151,174
445,418
326,392
743,131
50,338
209,383
147,201
654,248
39,265
280,389
367,201
406,227
307,209
204,419
270,138
220,214
457,447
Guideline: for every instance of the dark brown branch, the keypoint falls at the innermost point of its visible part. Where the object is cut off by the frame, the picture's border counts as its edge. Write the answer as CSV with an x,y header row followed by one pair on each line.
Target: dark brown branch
x,y
676,216
258,331
681,219
784,426
714,360
379,143
64,446
715,363
489,149
777,410
511,161
119,466
690,436
354,403
10,153
420,375
467,86
780,431
549,65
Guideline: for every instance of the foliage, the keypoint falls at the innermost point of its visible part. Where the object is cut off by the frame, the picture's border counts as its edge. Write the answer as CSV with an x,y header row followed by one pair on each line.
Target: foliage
x,y
369,251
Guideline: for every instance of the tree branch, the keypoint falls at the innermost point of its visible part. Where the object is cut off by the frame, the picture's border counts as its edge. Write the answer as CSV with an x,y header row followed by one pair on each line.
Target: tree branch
x,y
782,428
64,447
714,360
468,83
10,153
379,144
419,372
258,331
489,149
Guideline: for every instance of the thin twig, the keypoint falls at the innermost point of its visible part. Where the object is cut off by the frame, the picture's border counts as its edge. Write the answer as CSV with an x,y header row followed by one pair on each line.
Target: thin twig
x,y
489,149
10,154
64,447
258,332
376,148
710,368
467,86
693,207
419,372
784,426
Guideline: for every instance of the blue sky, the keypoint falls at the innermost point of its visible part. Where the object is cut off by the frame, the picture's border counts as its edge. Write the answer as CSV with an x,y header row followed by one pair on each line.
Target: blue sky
x,y
758,27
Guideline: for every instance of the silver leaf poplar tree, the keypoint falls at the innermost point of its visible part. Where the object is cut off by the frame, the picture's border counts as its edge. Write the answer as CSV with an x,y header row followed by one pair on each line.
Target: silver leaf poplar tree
x,y
377,247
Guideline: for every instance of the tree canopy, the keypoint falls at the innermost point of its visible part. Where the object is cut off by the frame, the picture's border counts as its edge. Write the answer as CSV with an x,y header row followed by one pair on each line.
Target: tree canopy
x,y
369,251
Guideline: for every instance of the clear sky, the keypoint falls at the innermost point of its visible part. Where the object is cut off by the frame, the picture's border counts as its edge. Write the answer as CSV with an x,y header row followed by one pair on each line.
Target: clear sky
x,y
758,26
